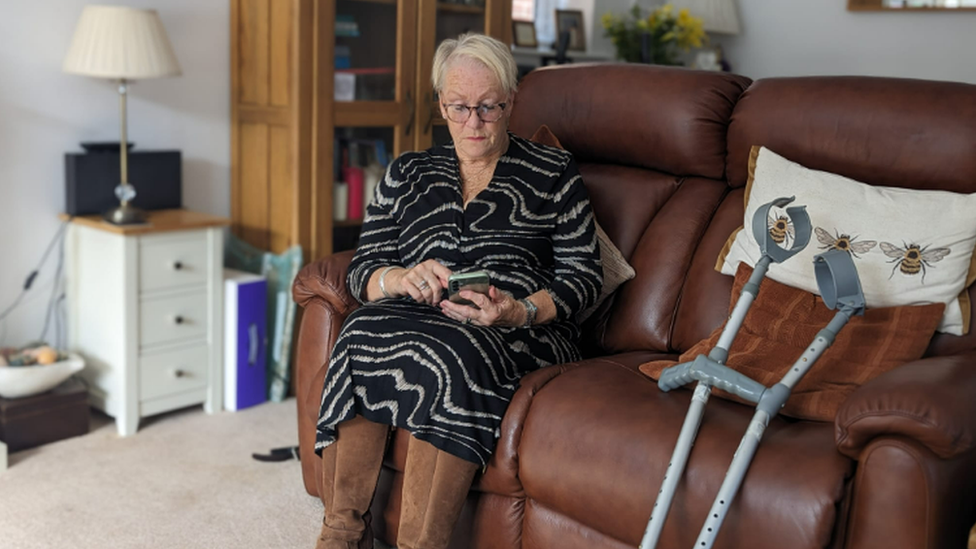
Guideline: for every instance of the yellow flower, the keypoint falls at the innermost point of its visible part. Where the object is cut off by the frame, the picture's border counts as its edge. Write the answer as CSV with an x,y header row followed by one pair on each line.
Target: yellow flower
x,y
668,31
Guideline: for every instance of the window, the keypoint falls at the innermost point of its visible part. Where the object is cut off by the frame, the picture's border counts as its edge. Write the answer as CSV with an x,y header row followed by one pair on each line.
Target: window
x,y
523,10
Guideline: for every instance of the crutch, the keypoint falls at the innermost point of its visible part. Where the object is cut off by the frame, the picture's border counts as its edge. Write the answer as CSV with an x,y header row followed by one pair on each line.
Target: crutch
x,y
840,289
705,368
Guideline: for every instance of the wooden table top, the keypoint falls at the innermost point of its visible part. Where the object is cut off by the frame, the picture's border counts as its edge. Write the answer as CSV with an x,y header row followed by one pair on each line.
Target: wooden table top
x,y
157,221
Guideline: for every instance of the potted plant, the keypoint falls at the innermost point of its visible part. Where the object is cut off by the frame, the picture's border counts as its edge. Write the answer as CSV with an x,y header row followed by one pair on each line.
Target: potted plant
x,y
656,38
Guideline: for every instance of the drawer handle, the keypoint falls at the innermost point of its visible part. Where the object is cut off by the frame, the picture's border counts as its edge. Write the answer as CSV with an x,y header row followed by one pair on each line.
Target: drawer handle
x,y
178,319
178,265
179,373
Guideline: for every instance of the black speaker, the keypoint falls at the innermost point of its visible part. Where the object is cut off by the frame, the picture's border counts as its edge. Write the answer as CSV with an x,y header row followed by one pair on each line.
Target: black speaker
x,y
91,178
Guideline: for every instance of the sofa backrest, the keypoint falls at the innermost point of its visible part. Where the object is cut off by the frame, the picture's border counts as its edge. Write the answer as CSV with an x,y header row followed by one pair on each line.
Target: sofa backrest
x,y
651,145
664,151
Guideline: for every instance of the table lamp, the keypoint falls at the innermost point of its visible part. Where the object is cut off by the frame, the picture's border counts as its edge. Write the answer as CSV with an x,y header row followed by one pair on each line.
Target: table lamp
x,y
123,44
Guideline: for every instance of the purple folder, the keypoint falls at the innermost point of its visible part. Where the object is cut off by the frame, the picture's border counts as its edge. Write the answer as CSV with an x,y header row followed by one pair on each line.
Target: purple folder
x,y
245,339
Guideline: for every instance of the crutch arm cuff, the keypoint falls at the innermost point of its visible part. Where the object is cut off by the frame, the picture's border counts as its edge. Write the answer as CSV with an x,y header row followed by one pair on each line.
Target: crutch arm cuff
x,y
930,401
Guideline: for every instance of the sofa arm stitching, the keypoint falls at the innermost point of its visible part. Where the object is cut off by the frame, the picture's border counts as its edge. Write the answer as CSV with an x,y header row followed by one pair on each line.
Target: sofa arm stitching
x,y
620,365
341,292
845,429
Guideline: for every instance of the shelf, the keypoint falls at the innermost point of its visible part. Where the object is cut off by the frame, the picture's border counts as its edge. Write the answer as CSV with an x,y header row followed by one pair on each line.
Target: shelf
x,y
388,2
460,8
367,113
926,9
348,223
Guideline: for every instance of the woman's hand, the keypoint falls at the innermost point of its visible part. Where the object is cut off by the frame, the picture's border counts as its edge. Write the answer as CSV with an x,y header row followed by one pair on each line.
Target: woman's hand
x,y
423,282
497,309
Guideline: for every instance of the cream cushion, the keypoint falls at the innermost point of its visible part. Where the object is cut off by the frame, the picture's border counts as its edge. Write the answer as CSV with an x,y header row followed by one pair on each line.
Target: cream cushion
x,y
911,247
616,271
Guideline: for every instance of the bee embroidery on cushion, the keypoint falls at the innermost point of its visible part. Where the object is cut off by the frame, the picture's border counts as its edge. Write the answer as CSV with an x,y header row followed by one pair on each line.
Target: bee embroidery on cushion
x,y
844,242
912,258
780,228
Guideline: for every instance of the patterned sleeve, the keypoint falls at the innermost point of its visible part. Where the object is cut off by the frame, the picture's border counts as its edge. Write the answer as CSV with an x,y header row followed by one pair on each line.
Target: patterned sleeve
x,y
379,236
578,270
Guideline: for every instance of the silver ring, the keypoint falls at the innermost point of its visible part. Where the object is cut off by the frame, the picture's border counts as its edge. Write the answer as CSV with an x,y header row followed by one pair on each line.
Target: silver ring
x,y
423,285
467,320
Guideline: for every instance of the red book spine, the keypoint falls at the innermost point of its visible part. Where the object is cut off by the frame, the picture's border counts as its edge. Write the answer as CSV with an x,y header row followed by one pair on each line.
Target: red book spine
x,y
354,178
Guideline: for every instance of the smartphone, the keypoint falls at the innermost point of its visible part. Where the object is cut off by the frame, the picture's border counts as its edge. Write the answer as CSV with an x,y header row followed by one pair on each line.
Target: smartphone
x,y
476,281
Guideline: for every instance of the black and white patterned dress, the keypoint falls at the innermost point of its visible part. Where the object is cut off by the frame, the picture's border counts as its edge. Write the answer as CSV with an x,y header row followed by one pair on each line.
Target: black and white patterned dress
x,y
406,364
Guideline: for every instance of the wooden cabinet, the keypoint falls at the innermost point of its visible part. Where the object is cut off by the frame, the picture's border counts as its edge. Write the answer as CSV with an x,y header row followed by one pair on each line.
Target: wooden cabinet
x,y
145,310
316,82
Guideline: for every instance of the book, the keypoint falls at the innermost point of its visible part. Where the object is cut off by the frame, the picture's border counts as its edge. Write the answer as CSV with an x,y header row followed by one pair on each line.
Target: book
x,y
346,25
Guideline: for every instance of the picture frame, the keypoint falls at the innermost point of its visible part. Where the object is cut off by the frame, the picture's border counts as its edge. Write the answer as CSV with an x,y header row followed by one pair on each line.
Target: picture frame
x,y
523,34
571,21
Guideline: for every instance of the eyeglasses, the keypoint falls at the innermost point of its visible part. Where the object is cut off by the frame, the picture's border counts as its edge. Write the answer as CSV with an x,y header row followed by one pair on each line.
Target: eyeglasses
x,y
459,113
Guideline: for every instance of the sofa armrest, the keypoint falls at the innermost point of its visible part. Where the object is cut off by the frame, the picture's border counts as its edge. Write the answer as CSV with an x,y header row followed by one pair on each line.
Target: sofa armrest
x,y
930,401
320,285
325,279
320,289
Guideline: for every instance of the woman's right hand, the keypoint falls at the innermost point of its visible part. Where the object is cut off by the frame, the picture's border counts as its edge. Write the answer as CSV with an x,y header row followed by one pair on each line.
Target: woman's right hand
x,y
423,282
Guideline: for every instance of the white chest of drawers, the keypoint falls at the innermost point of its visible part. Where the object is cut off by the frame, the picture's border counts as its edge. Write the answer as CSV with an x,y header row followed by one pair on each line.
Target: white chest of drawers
x,y
144,309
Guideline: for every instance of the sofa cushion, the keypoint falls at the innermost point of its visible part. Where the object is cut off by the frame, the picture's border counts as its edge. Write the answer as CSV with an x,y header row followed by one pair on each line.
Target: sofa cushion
x,y
880,226
598,438
894,132
783,321
616,270
643,316
610,119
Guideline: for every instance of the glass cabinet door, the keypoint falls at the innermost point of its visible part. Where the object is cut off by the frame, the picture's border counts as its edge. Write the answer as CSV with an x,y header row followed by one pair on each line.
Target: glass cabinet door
x,y
374,59
360,158
368,63
365,50
440,20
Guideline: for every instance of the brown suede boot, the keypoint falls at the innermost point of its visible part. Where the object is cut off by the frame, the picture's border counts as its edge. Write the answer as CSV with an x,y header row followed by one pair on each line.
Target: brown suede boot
x,y
350,470
435,486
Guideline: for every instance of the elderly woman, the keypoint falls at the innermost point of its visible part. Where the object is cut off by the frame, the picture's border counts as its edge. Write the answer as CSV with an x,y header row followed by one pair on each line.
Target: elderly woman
x,y
410,358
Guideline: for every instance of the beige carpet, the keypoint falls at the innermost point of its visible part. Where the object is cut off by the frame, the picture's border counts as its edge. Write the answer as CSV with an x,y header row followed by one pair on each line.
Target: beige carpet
x,y
185,480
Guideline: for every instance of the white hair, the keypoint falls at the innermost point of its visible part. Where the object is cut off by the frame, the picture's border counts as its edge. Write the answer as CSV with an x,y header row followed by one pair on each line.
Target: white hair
x,y
488,51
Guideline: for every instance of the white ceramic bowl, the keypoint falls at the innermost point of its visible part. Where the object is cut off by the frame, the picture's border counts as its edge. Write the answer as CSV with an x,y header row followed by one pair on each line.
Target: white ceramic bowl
x,y
22,381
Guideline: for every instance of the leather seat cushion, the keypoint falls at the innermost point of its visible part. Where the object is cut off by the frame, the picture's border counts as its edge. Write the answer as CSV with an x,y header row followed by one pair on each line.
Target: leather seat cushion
x,y
598,438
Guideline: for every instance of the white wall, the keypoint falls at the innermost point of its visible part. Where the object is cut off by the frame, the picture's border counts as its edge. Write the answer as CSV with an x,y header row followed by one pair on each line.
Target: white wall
x,y
818,37
45,113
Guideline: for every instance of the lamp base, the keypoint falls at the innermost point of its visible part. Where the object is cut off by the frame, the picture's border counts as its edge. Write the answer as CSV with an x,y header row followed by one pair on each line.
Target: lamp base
x,y
124,215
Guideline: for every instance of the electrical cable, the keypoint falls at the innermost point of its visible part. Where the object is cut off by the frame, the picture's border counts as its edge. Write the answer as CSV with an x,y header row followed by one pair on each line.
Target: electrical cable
x,y
55,289
32,276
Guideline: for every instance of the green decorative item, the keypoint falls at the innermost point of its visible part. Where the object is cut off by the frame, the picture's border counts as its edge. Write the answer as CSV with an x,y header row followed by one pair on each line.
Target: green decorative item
x,y
280,271
656,38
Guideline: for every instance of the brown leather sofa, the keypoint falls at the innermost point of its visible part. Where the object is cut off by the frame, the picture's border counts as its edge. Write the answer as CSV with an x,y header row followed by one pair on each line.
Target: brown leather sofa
x,y
584,446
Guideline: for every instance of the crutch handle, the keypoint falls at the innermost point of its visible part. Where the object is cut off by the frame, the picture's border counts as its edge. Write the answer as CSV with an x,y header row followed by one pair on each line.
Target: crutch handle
x,y
717,375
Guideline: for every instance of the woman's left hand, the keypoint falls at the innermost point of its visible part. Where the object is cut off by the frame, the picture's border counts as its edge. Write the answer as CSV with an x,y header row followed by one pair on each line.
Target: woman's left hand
x,y
497,309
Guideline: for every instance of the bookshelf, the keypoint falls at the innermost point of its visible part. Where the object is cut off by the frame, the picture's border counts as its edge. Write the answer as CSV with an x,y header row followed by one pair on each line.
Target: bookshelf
x,y
324,94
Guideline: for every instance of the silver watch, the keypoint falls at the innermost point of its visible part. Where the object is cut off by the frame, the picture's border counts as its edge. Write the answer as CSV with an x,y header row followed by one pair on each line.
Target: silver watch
x,y
530,311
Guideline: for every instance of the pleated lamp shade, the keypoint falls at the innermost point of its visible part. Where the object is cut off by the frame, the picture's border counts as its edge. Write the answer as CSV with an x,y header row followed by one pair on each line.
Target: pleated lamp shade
x,y
119,42
717,15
